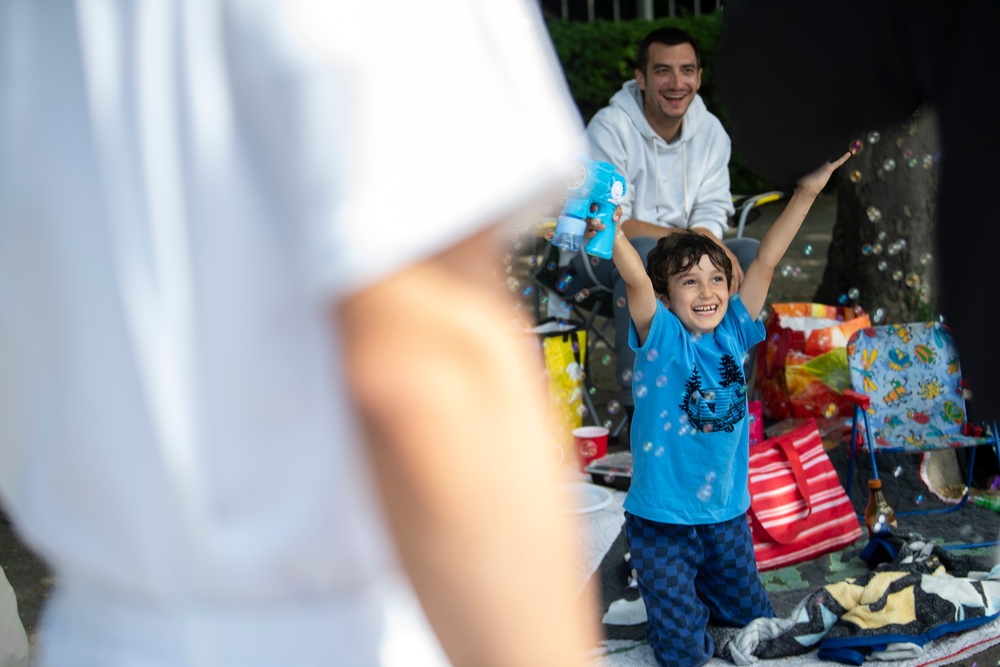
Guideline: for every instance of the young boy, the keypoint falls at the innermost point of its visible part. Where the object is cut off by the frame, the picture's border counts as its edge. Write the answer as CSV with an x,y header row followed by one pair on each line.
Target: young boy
x,y
686,507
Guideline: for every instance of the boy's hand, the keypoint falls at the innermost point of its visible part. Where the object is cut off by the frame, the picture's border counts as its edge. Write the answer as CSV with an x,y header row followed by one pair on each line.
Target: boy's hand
x,y
594,225
814,182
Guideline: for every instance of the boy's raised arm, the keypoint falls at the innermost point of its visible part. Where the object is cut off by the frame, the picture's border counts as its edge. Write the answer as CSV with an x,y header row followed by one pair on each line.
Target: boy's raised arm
x,y
638,287
778,237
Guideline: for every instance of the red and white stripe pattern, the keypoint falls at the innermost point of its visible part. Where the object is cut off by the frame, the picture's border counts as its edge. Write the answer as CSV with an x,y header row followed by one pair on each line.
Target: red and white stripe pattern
x,y
787,530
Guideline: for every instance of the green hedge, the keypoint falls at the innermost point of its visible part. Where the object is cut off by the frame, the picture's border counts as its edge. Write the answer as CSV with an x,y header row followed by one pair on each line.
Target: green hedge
x,y
597,58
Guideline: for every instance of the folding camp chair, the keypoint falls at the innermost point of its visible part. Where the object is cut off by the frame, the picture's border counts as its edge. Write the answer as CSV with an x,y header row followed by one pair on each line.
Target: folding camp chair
x,y
590,308
908,397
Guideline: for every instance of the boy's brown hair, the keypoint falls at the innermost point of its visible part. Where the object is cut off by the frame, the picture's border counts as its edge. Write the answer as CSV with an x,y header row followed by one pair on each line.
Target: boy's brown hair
x,y
679,251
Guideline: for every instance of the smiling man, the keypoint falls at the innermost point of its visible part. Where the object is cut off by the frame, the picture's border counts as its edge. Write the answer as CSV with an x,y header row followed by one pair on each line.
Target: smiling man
x,y
674,155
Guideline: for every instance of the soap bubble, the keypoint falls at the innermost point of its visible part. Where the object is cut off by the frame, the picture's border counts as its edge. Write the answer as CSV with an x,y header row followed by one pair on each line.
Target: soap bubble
x,y
638,376
920,498
659,451
873,137
855,176
581,295
641,391
807,250
853,293
913,281
877,249
513,284
661,381
907,154
608,424
582,411
626,375
705,493
882,235
594,261
898,471
620,302
528,291
786,271
912,163
647,446
897,275
866,249
588,449
889,164
874,214
882,265
842,299
831,410
652,354
710,477
878,315
606,360
857,146
928,161
551,266
548,237
926,258
614,407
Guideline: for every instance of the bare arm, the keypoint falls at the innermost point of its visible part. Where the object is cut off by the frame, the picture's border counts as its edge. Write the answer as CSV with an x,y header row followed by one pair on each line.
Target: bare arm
x,y
454,412
638,287
753,291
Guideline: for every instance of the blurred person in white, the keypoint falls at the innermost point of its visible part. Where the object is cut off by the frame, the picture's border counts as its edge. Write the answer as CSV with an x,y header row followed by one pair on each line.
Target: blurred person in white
x,y
246,259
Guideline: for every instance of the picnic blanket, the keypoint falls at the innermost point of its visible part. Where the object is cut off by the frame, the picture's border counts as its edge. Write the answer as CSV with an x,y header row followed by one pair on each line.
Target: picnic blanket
x,y
917,593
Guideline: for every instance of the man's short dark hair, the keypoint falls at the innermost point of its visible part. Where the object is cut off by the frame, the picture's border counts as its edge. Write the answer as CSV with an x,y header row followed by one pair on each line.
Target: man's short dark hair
x,y
668,36
678,252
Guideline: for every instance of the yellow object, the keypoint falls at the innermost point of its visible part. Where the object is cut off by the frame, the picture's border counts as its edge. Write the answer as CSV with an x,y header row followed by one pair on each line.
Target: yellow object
x,y
565,359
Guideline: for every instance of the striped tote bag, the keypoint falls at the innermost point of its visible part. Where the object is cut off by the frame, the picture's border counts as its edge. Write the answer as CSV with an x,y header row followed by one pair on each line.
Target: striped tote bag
x,y
798,508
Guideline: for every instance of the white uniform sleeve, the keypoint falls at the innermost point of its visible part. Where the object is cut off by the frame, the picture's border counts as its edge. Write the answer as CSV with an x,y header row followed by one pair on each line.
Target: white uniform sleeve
x,y
453,114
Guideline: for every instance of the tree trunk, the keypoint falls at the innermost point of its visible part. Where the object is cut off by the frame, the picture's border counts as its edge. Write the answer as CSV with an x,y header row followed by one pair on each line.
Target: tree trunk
x,y
882,255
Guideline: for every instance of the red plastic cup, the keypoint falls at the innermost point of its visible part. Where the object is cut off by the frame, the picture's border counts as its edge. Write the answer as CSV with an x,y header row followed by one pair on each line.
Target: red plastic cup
x,y
591,443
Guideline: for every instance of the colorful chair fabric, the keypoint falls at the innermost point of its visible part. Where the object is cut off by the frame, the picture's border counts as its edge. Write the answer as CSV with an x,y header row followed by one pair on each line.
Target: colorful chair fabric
x,y
908,395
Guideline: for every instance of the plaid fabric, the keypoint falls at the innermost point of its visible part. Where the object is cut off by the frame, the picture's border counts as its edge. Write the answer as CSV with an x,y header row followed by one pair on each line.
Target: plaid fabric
x,y
690,574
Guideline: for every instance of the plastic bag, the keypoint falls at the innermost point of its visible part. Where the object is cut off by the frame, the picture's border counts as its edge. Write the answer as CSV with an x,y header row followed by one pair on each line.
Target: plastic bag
x,y
802,364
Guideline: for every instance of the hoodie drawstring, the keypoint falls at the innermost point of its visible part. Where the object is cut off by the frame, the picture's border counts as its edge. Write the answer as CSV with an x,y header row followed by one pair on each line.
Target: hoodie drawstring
x,y
656,181
684,165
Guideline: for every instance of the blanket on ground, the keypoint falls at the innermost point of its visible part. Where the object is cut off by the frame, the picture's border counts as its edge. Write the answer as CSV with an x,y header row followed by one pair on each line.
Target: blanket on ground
x,y
916,593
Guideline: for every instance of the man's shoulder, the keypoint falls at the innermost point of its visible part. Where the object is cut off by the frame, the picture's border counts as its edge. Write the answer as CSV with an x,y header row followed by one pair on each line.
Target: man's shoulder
x,y
612,116
704,121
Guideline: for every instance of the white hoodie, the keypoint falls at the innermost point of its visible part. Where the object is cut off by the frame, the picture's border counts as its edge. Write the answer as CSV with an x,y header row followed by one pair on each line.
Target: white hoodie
x,y
681,184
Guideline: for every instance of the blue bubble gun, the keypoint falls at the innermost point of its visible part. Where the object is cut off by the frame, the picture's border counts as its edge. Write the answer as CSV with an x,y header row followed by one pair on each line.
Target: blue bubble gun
x,y
590,183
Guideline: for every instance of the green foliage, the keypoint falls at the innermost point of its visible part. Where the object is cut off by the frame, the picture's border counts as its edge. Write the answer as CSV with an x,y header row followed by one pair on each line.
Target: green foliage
x,y
597,58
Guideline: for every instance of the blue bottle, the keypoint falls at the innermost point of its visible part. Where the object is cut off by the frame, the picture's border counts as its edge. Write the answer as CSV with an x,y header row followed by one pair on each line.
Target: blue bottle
x,y
596,189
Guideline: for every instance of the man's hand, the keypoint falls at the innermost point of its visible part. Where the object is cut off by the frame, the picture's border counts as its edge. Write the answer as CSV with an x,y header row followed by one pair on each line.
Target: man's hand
x,y
734,286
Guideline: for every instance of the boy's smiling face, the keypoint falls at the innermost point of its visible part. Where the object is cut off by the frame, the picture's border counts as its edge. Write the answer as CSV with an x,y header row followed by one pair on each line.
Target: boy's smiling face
x,y
699,296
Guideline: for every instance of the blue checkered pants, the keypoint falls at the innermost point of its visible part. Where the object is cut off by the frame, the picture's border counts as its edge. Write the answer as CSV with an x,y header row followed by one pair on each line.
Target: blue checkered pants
x,y
689,574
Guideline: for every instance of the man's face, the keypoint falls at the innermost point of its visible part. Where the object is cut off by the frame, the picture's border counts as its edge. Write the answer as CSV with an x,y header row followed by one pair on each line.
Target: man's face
x,y
671,79
699,297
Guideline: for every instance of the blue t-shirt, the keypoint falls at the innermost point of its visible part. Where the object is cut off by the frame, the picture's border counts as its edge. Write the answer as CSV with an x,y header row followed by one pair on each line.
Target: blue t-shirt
x,y
690,443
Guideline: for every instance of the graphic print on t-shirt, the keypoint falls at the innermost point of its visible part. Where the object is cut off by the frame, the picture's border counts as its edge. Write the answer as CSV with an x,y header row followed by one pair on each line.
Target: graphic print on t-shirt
x,y
716,408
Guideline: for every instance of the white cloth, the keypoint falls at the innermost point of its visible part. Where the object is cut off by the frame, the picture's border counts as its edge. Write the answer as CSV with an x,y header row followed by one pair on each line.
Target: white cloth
x,y
684,183
186,188
13,639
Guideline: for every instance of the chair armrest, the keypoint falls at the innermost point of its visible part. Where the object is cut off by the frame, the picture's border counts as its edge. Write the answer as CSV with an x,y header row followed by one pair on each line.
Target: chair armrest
x,y
857,398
